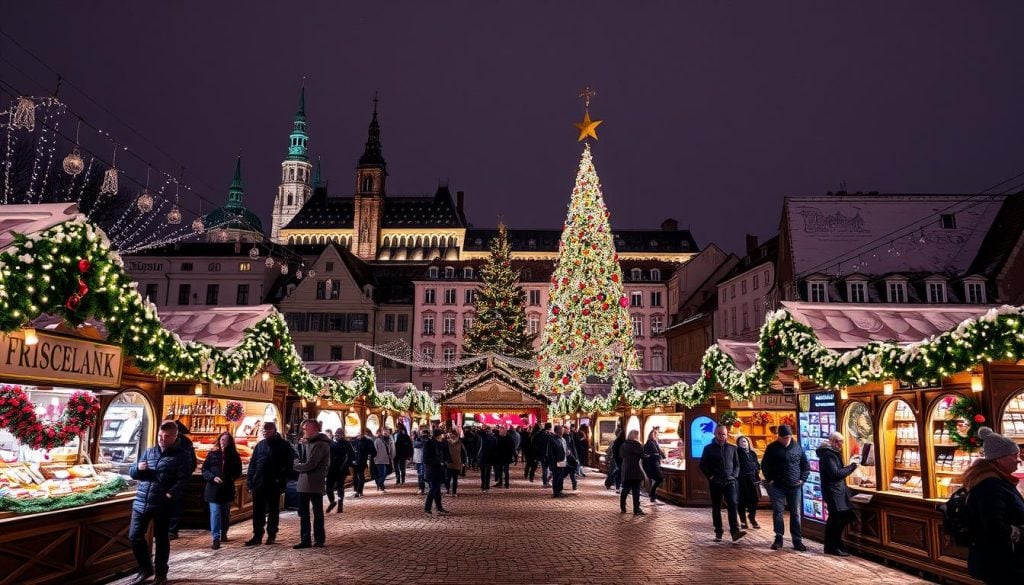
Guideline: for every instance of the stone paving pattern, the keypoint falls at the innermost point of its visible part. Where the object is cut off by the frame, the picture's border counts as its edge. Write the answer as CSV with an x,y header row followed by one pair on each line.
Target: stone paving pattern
x,y
521,535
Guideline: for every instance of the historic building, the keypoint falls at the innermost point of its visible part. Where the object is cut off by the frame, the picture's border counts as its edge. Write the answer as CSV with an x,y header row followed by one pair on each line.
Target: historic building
x,y
745,291
296,183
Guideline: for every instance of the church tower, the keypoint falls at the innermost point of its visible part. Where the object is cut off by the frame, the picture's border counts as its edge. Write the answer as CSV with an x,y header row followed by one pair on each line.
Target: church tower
x,y
371,175
296,170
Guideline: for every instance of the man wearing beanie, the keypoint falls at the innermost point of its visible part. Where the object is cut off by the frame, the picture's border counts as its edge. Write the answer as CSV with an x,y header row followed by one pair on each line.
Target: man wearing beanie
x,y
785,469
996,512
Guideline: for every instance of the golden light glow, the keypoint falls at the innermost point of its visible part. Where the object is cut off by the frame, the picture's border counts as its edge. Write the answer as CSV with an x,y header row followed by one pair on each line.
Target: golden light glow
x,y
30,336
843,394
887,388
750,404
796,384
977,383
587,128
714,409
199,390
265,376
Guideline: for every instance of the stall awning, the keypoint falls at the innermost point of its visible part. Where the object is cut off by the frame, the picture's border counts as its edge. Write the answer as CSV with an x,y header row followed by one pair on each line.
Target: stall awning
x,y
32,219
338,370
646,380
222,327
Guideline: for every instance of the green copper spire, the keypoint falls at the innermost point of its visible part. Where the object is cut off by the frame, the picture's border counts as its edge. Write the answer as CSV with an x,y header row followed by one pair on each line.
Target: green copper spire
x,y
235,191
299,138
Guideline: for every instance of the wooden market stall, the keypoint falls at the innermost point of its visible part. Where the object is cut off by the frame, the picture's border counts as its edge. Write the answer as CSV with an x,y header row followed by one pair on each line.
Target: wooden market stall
x,y
492,393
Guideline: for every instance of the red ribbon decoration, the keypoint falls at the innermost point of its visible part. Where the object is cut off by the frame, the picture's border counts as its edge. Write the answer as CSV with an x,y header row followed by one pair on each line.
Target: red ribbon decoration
x,y
83,289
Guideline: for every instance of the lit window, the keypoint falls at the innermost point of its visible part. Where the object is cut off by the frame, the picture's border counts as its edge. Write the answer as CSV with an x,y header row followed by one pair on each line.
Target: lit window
x,y
245,267
817,291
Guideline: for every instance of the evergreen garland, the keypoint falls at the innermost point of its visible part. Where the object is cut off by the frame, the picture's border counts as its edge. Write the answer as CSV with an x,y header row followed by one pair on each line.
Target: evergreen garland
x,y
965,410
34,506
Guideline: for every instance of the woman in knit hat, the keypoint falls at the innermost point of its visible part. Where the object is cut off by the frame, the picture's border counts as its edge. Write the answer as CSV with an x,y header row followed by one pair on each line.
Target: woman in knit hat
x,y
996,511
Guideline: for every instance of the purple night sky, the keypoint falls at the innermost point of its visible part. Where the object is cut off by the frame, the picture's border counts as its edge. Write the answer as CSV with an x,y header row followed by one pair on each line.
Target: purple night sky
x,y
713,111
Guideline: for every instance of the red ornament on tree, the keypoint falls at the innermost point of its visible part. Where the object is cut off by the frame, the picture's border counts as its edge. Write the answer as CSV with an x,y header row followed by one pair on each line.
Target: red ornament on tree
x,y
979,418
555,310
623,302
586,312
615,278
84,265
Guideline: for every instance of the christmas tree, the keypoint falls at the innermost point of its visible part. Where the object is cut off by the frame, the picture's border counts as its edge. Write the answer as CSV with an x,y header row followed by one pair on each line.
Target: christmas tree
x,y
500,324
588,330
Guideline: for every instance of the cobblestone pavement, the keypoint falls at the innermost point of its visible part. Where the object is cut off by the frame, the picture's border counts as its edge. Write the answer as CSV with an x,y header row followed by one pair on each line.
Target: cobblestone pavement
x,y
521,535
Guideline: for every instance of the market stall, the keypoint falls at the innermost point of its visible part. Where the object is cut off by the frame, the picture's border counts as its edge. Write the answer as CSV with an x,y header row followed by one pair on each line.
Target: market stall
x,y
335,415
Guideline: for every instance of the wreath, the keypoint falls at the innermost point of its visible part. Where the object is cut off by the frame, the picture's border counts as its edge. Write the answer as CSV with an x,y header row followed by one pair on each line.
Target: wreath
x,y
18,415
964,410
234,412
729,418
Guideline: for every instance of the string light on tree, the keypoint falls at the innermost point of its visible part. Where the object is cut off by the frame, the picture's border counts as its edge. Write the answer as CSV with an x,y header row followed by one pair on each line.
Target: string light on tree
x,y
24,115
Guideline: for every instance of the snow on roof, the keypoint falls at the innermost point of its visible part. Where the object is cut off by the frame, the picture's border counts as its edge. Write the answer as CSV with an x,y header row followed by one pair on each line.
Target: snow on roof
x,y
222,327
645,380
824,229
845,326
337,370
30,219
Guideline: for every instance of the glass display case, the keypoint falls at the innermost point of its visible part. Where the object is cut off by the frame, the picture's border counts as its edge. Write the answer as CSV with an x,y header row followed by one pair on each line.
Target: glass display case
x,y
126,430
1011,420
859,433
949,462
605,432
671,444
817,421
330,420
373,423
206,418
353,426
902,458
633,424
760,426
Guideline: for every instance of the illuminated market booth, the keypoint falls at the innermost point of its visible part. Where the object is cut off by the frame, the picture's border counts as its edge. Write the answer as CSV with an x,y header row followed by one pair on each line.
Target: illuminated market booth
x,y
333,415
494,396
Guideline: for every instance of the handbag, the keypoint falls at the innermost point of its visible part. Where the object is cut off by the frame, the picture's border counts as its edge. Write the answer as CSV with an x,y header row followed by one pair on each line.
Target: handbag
x,y
572,462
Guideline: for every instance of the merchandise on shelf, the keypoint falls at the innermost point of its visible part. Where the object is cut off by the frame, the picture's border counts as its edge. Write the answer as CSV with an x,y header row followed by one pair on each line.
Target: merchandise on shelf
x,y
859,433
1012,418
950,462
668,439
207,418
817,421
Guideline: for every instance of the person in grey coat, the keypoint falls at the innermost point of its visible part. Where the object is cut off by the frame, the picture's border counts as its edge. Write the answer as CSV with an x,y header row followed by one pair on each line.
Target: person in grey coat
x,y
384,458
312,484
835,493
720,463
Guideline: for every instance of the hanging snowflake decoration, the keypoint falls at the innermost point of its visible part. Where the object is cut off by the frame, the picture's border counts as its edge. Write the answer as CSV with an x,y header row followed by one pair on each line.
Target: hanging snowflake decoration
x,y
73,163
109,186
144,201
25,115
198,226
254,253
174,216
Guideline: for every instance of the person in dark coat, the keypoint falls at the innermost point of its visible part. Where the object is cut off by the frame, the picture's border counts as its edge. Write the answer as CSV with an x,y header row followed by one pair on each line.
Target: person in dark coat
x,y
403,453
436,456
365,452
486,456
835,493
720,464
341,460
573,469
613,458
583,447
750,478
422,438
785,468
269,468
186,444
526,448
504,455
557,458
162,472
632,473
221,468
540,449
533,452
652,463
996,512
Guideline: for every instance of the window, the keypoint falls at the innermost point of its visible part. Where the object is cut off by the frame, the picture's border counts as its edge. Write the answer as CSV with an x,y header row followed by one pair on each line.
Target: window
x,y
335,290
656,298
449,296
640,357
318,322
336,322
336,353
732,316
636,299
746,318
358,322
432,272
948,221
975,292
936,292
242,295
184,292
428,387
321,290
758,313
655,274
732,291
367,184
403,322
636,274
467,324
429,296
295,321
817,291
308,353
897,292
756,281
534,298
428,326
657,359
449,272
467,272
767,278
533,324
151,292
448,324
857,292
743,287
213,267
329,267
389,322
428,353
245,266
638,325
470,296
212,292
448,354
186,267
656,324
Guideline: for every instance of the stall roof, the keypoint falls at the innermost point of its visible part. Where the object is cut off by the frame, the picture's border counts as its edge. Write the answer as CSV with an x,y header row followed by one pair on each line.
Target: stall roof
x,y
337,370
849,326
222,327
646,380
30,219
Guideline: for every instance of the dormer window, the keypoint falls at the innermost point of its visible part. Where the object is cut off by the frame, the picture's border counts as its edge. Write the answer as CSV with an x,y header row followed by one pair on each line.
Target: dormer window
x,y
974,292
467,272
896,291
857,291
531,244
635,274
432,272
936,292
948,221
817,291
449,272
655,274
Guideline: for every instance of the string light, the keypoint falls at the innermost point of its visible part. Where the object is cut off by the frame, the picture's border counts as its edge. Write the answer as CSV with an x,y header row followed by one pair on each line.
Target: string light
x,y
25,115
977,383
30,336
887,388
73,163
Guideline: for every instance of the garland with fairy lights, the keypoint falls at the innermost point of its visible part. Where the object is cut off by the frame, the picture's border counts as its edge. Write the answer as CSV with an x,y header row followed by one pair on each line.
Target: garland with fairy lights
x,y
964,409
70,271
996,335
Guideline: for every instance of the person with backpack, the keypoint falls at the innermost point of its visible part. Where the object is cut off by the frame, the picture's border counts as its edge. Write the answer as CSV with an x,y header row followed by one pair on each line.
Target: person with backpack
x,y
995,512
835,493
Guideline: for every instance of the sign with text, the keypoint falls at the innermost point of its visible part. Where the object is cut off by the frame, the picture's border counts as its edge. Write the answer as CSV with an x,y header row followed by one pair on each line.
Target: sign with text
x,y
254,388
57,359
767,402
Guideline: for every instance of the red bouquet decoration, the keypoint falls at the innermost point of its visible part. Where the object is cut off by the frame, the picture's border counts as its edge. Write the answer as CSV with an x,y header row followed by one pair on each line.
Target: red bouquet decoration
x,y
18,415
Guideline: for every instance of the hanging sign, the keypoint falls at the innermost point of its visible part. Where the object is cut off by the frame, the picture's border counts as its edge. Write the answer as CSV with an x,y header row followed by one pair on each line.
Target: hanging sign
x,y
56,359
254,388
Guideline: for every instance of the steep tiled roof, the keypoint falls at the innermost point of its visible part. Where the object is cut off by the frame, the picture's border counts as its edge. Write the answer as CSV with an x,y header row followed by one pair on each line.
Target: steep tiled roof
x,y
1001,239
763,254
645,380
625,240
323,211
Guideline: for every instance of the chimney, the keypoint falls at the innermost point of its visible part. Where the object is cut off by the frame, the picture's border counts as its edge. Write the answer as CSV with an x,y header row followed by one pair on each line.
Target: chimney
x,y
751,244
669,225
460,198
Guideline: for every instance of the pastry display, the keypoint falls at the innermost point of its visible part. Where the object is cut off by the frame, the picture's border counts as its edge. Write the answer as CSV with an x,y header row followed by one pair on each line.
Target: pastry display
x,y
26,481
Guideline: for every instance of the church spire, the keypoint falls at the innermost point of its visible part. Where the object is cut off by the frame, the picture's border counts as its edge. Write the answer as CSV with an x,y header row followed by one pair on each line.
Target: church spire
x,y
372,155
235,191
297,149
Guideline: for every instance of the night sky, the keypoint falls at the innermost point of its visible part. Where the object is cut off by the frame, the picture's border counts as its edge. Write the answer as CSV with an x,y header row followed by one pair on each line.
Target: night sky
x,y
713,111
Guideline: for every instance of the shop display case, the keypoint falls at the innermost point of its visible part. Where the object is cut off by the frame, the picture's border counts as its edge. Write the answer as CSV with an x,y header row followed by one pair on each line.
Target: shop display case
x,y
859,433
127,429
817,421
669,439
603,437
902,468
760,426
1011,419
949,462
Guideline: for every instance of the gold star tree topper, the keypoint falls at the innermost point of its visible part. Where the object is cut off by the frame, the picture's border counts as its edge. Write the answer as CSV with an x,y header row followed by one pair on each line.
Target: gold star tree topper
x,y
588,127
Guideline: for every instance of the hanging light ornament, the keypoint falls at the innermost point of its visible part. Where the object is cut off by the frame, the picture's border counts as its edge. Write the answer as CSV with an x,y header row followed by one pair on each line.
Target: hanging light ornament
x,y
25,115
312,273
174,216
73,163
284,269
269,263
197,225
144,201
254,253
109,186
298,273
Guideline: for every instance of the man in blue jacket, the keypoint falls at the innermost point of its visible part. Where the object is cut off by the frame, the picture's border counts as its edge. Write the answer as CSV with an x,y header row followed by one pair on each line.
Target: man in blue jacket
x,y
785,468
720,464
162,472
269,468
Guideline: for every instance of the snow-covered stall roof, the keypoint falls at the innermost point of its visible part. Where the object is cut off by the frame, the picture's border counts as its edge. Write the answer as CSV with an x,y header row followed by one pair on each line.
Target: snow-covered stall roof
x,y
222,327
342,370
645,380
30,219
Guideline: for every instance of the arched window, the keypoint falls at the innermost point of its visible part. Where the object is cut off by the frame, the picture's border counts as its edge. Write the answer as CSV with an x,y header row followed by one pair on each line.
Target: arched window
x,y
291,174
655,274
402,242
433,242
419,242
451,241
387,241
449,272
291,240
367,184
635,274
